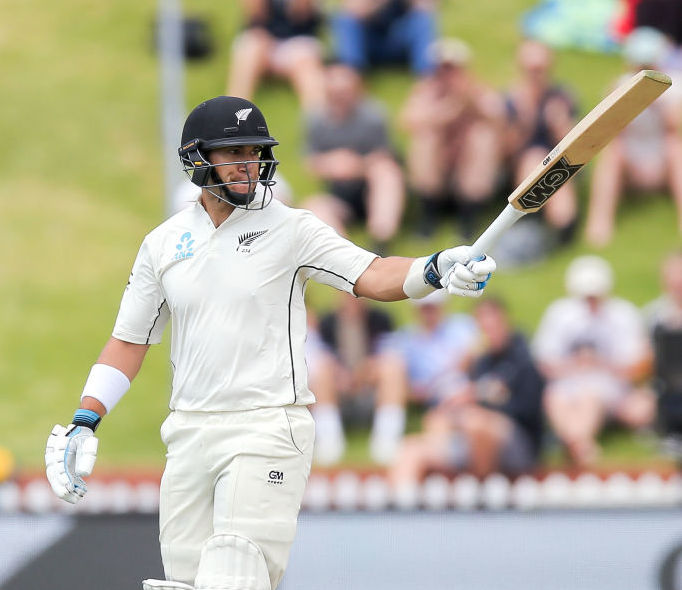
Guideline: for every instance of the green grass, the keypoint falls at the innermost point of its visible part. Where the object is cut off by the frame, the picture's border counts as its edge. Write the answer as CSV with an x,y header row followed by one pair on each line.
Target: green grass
x,y
82,182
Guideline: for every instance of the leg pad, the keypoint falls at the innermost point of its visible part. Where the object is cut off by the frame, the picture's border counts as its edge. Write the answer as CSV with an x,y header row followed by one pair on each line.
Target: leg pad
x,y
232,562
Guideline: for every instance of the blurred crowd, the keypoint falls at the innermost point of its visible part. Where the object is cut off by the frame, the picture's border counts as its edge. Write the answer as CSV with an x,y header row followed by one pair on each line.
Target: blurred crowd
x,y
467,144
491,399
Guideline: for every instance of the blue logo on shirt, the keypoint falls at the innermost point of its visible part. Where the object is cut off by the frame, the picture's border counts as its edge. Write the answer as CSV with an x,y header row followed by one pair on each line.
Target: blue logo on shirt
x,y
185,247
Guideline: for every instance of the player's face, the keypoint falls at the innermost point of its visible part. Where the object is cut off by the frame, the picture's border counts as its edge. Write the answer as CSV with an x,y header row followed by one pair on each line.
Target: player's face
x,y
237,164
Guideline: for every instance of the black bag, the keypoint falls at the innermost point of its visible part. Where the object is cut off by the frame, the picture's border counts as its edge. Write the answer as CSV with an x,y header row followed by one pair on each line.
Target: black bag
x,y
197,38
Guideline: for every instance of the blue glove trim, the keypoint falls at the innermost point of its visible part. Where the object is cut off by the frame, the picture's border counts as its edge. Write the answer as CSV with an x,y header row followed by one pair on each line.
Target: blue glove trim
x,y
86,418
431,274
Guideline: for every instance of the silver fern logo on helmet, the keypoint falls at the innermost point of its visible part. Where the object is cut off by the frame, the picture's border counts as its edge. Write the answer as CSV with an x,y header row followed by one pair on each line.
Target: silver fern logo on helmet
x,y
242,114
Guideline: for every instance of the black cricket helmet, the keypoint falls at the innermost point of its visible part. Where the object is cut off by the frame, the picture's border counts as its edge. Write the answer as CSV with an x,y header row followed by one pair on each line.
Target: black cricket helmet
x,y
221,122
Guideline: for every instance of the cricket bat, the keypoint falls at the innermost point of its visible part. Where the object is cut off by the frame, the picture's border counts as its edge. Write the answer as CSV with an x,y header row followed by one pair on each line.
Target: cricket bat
x,y
577,148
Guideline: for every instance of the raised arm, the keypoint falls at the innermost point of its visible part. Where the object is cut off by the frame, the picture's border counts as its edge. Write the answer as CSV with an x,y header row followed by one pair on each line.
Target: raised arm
x,y
383,280
395,278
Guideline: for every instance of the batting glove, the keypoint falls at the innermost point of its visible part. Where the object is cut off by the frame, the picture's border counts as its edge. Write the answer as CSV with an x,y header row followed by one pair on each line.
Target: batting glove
x,y
70,454
457,271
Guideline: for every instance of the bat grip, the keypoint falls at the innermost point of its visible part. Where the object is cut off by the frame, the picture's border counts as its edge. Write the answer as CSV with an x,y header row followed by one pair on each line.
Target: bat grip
x,y
508,217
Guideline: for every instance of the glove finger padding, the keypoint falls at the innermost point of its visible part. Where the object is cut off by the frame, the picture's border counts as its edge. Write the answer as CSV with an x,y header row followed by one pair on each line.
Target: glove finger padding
x,y
482,268
54,462
464,274
86,454
454,290
461,281
69,453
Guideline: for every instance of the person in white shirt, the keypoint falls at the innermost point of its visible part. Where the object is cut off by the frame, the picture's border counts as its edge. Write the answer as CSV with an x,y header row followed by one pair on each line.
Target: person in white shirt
x,y
593,348
230,272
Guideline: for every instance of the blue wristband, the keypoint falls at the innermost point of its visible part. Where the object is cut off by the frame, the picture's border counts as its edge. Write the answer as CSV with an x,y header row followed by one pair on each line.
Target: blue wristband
x,y
431,274
86,418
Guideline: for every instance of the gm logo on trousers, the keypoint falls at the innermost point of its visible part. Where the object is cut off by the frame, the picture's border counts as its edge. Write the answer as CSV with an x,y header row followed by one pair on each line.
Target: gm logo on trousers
x,y
276,477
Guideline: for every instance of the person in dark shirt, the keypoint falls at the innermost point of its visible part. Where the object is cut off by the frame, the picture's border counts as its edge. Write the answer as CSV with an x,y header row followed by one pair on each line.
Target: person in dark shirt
x,y
540,112
506,379
664,320
494,423
280,38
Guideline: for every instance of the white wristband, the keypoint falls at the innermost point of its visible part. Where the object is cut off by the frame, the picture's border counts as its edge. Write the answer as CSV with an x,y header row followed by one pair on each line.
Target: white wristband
x,y
106,384
415,287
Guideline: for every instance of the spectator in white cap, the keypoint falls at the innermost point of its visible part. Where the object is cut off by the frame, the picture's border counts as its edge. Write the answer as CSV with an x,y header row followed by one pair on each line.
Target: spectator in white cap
x,y
594,351
646,156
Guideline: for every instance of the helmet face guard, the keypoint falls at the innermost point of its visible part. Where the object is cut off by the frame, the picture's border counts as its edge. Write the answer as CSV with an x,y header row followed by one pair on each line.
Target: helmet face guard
x,y
227,121
201,172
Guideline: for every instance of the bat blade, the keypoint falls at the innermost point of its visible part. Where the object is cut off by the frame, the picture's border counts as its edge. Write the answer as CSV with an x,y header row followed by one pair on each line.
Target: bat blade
x,y
588,137
602,124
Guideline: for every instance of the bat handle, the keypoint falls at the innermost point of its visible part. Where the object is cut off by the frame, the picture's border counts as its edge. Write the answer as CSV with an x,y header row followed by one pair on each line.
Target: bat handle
x,y
508,217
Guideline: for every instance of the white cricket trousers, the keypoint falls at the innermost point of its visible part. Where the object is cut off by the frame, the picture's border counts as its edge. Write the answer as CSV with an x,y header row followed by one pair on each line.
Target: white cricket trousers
x,y
233,472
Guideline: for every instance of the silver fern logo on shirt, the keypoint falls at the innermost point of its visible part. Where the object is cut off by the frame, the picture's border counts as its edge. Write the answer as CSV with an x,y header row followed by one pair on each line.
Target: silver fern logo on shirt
x,y
246,240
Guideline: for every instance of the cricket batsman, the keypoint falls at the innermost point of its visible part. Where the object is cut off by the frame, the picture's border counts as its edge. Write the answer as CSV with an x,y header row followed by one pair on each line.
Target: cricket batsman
x,y
230,272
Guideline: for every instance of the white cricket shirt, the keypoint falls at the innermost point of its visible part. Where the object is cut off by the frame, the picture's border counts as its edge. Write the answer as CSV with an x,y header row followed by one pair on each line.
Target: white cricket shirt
x,y
235,297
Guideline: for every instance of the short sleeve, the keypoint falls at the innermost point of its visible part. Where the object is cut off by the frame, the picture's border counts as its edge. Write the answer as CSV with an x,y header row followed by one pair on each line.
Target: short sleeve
x,y
144,312
326,257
